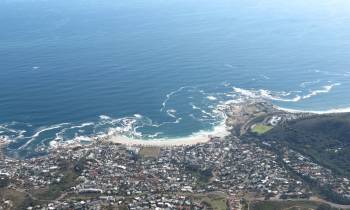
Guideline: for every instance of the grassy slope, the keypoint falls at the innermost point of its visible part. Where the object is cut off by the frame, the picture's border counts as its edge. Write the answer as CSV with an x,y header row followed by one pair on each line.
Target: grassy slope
x,y
55,190
261,129
217,202
287,205
20,200
71,171
325,138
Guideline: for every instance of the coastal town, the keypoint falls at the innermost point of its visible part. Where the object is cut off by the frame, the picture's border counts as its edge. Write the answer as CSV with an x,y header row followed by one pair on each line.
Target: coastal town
x,y
223,173
174,105
119,175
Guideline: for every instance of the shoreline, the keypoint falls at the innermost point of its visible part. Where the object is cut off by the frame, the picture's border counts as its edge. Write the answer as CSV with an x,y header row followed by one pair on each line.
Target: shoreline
x,y
185,141
330,111
219,131
3,145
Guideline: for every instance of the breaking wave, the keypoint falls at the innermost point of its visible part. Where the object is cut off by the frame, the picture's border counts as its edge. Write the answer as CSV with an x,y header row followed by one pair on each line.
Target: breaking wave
x,y
267,94
325,89
329,111
292,96
184,106
136,127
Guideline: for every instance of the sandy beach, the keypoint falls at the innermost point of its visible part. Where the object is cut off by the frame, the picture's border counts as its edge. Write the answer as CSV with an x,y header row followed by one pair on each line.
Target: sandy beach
x,y
219,131
159,142
330,111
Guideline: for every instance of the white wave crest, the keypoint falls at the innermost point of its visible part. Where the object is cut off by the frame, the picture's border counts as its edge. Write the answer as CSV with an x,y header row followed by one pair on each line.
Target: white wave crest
x,y
83,125
7,129
202,110
171,113
266,94
211,98
152,136
207,108
265,77
169,95
197,137
40,131
282,96
328,73
138,116
305,84
105,117
325,89
229,66
329,111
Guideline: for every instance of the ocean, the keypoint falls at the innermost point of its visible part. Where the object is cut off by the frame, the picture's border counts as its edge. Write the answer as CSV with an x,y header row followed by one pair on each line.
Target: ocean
x,y
162,69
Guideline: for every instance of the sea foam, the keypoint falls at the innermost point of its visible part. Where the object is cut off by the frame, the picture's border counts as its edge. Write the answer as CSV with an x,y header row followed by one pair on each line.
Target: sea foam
x,y
329,111
207,108
325,89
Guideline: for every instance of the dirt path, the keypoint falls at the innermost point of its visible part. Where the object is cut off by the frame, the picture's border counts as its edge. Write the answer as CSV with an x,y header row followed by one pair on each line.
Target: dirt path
x,y
314,198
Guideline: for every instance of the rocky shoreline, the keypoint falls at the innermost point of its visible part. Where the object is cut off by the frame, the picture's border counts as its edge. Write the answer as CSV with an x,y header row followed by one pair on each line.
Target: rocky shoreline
x,y
238,169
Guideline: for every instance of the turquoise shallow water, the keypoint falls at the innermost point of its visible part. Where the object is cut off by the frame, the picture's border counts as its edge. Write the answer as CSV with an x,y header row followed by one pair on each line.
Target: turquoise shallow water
x,y
160,69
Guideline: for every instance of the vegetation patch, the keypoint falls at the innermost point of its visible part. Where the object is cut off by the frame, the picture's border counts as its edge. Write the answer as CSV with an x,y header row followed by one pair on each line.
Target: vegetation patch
x,y
288,205
19,200
56,189
216,202
260,128
203,175
326,139
71,172
323,138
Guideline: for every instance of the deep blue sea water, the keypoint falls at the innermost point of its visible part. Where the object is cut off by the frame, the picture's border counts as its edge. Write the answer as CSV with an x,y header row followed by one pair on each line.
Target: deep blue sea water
x,y
160,68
